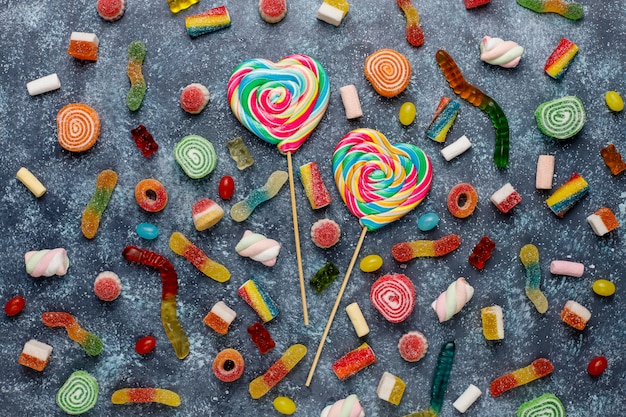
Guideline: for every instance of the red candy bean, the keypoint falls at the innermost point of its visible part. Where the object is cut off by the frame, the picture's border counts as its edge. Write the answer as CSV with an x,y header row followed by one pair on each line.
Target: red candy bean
x,y
145,345
14,306
226,188
597,366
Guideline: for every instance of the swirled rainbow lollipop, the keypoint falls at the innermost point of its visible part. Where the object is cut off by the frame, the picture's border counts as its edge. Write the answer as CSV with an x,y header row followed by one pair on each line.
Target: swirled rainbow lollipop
x,y
380,183
281,103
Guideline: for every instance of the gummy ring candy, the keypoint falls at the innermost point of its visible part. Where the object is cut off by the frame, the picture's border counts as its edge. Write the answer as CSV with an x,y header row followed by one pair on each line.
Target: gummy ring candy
x,y
228,365
151,195
459,192
78,127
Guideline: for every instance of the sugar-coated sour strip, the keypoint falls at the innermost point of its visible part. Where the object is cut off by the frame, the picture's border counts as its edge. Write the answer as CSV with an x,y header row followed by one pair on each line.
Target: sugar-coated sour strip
x,y
255,295
182,246
210,21
414,33
529,255
145,395
538,369
169,280
567,195
89,341
105,184
569,10
279,370
243,209
136,55
479,99
405,251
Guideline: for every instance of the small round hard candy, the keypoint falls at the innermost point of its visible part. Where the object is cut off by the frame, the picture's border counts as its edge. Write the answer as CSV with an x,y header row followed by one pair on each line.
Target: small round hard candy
x,y
145,345
325,233
226,188
614,101
371,263
147,231
603,287
427,221
413,346
407,113
597,366
14,306
284,405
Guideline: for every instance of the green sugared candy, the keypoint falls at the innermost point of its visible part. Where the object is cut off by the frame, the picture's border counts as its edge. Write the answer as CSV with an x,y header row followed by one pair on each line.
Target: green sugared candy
x,y
78,394
324,277
603,287
407,113
284,405
371,263
614,101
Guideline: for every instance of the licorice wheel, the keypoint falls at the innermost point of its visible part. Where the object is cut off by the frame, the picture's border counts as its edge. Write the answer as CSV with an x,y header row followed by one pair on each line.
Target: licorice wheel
x,y
151,195
394,297
228,365
78,127
388,71
459,192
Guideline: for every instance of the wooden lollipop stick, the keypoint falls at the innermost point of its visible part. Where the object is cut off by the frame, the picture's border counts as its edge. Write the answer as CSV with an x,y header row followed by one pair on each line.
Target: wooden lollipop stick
x,y
296,234
336,306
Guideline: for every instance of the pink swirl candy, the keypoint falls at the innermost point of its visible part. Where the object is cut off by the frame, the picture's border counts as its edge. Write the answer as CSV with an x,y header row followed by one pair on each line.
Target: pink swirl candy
x,y
348,407
280,102
496,51
46,262
378,181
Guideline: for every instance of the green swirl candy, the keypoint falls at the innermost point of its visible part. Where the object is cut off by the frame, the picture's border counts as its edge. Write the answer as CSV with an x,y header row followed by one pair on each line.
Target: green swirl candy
x,y
548,405
196,156
79,393
561,118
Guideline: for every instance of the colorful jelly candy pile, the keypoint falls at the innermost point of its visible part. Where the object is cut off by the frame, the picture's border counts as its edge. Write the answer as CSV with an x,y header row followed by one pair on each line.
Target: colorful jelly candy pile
x,y
169,281
145,395
277,372
405,251
89,341
105,184
479,99
78,394
537,369
182,246
529,255
136,56
243,209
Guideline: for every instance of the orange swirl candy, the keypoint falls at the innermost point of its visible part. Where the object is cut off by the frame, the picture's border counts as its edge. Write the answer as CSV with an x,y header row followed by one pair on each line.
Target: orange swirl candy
x,y
78,127
388,71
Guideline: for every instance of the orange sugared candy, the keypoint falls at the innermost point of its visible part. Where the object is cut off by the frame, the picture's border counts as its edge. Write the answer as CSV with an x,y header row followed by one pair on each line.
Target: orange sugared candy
x,y
78,127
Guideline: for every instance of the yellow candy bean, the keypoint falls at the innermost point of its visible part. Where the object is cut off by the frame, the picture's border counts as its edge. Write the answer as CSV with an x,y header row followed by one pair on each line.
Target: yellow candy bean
x,y
614,101
284,405
371,263
407,113
603,287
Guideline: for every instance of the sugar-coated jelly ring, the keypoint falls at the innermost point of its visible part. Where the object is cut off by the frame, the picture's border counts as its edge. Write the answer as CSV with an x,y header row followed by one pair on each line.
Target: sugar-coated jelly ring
x,y
458,192
78,127
151,195
228,365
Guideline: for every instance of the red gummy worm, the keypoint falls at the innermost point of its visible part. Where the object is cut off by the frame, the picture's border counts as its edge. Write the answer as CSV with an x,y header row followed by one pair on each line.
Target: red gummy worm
x,y
169,278
479,99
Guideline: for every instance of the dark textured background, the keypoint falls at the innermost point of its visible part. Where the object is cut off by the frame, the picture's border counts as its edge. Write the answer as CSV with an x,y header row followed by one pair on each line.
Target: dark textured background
x,y
34,39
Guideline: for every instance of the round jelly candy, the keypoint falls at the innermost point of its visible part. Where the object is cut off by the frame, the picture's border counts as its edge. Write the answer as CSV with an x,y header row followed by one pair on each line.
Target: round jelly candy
x,y
147,231
407,113
614,101
597,366
145,345
226,188
284,405
427,221
603,287
14,306
371,263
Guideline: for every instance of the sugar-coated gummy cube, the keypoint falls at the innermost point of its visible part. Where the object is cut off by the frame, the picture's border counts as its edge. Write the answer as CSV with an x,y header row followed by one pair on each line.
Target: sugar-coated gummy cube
x,y
603,221
220,317
390,388
493,322
506,198
575,315
35,355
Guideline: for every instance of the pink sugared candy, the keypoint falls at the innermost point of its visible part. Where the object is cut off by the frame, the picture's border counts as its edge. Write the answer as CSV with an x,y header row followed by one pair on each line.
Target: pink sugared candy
x,y
394,297
273,11
506,198
111,10
107,286
194,98
206,213
325,233
413,346
575,315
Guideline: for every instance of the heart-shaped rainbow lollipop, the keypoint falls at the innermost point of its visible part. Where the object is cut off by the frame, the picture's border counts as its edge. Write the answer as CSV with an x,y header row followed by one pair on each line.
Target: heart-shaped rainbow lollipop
x,y
280,102
378,181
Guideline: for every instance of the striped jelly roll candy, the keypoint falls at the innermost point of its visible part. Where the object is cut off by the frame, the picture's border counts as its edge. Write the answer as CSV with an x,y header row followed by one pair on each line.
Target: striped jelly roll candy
x,y
561,118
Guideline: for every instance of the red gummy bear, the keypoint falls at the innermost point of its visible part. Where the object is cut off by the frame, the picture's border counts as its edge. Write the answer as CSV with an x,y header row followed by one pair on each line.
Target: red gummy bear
x,y
144,140
261,338
482,252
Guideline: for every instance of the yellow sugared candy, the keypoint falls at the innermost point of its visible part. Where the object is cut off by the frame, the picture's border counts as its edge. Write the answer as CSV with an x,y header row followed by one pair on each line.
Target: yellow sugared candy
x,y
603,287
407,113
371,263
614,101
284,405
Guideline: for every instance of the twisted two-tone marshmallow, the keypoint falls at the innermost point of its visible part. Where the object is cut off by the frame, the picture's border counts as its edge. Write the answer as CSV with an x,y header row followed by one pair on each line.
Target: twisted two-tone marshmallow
x,y
348,407
394,297
280,102
46,262
258,247
380,182
452,300
496,51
